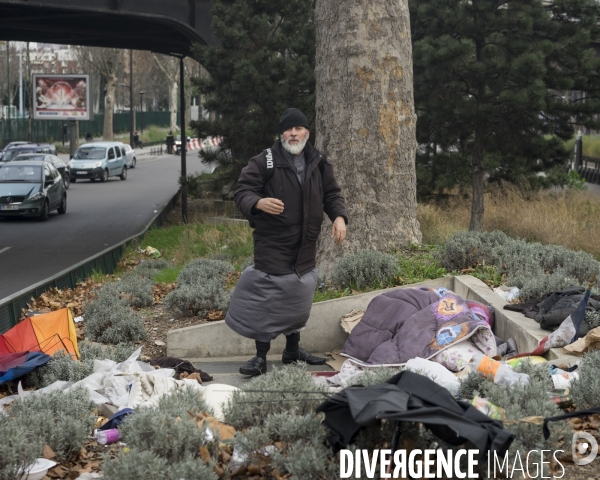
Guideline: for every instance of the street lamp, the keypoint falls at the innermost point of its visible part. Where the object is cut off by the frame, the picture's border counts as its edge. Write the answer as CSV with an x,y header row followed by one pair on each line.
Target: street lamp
x,y
141,110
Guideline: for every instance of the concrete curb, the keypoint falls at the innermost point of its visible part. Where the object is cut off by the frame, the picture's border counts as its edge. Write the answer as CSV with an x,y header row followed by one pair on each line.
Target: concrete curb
x,y
324,333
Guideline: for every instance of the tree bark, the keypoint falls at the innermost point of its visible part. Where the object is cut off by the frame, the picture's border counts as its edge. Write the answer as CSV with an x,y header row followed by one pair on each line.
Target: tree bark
x,y
170,70
108,62
173,89
109,107
366,122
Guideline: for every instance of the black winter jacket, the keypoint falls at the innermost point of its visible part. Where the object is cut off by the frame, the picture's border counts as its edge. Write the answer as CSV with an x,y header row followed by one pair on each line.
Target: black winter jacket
x,y
287,242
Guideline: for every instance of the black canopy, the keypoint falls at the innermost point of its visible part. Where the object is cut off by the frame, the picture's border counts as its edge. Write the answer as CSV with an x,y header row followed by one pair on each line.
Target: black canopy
x,y
162,26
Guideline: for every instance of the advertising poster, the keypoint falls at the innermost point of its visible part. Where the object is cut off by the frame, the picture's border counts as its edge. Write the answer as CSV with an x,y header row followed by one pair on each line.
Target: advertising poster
x,y
61,97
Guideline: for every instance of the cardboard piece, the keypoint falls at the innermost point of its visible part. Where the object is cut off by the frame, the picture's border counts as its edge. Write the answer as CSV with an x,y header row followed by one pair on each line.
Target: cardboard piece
x,y
337,361
350,320
589,343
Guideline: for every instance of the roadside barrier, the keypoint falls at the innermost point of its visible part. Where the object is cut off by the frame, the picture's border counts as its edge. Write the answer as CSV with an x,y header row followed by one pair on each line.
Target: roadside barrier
x,y
105,262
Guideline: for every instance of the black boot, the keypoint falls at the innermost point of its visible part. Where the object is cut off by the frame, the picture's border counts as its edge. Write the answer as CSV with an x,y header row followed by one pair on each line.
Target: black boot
x,y
301,356
257,365
254,367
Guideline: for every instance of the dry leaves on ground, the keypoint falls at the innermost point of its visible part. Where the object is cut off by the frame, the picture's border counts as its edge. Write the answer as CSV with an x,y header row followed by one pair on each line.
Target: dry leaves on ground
x,y
89,459
55,299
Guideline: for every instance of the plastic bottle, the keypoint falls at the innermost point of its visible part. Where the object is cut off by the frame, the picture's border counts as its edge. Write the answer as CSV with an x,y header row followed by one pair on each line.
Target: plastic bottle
x,y
501,373
104,437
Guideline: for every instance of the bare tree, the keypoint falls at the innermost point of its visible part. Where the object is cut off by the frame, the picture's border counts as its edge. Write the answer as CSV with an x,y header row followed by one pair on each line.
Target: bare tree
x,y
170,68
108,62
10,86
365,121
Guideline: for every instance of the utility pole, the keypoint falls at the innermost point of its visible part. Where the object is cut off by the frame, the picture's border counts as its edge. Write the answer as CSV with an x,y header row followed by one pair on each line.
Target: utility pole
x,y
184,205
8,89
20,79
131,112
30,109
141,110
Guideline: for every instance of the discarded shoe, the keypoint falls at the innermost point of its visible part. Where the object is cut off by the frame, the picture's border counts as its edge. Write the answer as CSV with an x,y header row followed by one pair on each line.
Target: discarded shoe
x,y
301,356
254,367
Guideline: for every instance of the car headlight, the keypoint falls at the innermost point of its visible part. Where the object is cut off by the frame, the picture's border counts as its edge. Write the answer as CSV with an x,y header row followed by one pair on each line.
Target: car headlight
x,y
36,196
70,163
97,164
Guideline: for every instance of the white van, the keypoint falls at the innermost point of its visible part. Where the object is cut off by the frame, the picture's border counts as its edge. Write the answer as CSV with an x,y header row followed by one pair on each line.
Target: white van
x,y
99,160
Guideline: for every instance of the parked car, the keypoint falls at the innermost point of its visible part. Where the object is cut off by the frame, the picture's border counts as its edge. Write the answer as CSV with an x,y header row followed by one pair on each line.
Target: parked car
x,y
98,160
28,148
61,166
31,189
11,145
130,153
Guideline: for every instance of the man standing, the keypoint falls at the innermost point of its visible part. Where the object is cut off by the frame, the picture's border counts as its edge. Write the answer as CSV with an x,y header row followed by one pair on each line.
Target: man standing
x,y
283,192
170,142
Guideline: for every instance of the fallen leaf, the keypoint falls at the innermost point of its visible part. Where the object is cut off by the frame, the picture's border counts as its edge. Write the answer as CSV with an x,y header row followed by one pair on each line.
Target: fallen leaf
x,y
254,470
219,470
48,453
225,456
159,343
205,454
240,471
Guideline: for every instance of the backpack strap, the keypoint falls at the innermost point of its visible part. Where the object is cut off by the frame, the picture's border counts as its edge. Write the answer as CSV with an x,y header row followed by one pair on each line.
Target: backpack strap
x,y
270,170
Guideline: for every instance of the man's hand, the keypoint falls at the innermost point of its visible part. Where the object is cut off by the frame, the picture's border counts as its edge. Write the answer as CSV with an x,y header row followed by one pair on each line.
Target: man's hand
x,y
338,230
273,206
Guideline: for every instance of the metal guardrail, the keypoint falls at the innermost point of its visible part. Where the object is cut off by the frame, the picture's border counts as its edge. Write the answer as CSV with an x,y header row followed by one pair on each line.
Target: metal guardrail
x,y
105,262
589,169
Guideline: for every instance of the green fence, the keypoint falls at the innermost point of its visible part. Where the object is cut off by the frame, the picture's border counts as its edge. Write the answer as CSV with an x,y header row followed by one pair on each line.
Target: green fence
x,y
43,131
105,262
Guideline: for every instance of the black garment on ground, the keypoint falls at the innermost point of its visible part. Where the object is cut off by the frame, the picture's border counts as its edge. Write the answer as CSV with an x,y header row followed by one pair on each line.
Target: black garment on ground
x,y
180,366
411,397
552,309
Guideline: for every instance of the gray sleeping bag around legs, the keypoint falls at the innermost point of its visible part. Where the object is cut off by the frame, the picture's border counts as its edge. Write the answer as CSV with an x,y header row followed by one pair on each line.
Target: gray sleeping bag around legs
x,y
265,306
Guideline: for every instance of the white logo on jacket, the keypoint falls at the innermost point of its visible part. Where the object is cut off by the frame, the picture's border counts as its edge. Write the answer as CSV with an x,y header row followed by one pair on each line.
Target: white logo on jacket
x,y
269,158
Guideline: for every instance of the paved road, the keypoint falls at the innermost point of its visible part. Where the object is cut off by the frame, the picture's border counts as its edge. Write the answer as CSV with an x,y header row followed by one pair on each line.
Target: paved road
x,y
98,215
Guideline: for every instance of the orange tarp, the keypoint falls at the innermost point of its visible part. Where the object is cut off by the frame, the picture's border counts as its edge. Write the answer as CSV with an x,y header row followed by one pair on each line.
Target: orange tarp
x,y
21,338
48,333
49,325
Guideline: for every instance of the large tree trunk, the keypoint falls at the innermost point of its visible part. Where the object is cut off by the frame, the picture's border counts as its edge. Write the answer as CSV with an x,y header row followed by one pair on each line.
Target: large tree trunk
x,y
109,103
173,89
366,121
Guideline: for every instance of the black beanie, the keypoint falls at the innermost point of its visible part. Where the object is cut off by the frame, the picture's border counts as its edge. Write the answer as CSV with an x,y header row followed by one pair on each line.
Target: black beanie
x,y
292,117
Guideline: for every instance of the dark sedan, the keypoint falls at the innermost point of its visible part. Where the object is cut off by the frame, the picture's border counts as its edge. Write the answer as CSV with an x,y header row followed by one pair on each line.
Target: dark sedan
x,y
31,189
62,167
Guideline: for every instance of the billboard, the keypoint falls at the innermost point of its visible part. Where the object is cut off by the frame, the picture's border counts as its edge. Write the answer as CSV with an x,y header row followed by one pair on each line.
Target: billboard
x,y
61,97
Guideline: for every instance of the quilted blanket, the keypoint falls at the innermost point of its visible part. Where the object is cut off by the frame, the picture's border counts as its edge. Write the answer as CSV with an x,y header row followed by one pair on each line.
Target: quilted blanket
x,y
418,322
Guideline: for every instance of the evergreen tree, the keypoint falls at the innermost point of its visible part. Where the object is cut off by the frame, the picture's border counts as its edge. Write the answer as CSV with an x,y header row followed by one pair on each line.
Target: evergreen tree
x,y
489,82
263,65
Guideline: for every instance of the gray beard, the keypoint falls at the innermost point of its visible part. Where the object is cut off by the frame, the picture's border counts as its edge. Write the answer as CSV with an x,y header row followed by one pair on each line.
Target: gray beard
x,y
294,149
